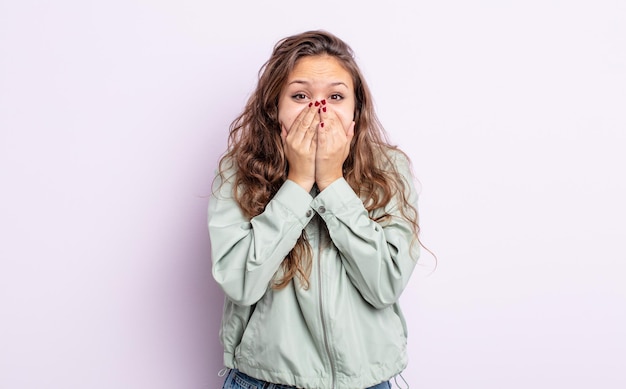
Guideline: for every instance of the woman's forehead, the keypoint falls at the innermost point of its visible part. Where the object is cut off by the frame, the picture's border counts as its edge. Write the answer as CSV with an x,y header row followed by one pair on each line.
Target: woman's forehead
x,y
320,69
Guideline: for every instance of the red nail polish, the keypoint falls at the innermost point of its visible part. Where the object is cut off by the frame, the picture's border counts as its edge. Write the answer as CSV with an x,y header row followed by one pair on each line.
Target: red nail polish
x,y
317,103
324,109
310,104
318,110
322,124
324,102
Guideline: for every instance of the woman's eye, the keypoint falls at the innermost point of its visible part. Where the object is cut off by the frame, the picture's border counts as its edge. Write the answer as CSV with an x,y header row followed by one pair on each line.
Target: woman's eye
x,y
336,96
299,96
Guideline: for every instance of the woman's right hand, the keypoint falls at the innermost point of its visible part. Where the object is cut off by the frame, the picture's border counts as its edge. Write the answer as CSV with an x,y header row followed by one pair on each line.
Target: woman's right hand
x,y
300,143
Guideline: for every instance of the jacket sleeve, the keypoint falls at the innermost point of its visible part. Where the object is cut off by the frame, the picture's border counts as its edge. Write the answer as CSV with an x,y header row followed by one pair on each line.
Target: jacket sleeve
x,y
378,258
247,253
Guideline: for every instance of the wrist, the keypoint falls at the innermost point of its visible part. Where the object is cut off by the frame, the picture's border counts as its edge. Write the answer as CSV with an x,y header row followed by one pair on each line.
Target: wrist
x,y
304,182
326,182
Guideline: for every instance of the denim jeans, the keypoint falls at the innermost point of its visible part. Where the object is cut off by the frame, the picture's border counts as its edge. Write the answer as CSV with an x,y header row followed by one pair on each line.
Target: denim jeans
x,y
237,380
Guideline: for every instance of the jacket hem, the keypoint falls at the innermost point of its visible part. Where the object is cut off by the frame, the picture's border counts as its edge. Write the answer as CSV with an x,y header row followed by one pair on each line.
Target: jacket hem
x,y
359,381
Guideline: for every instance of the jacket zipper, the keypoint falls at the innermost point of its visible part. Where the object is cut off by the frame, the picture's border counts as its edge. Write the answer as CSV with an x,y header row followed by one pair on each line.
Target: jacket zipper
x,y
322,316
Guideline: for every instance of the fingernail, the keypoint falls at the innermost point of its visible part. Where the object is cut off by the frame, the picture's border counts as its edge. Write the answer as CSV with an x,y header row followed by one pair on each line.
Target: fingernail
x,y
317,103
322,124
324,102
318,110
310,104
324,109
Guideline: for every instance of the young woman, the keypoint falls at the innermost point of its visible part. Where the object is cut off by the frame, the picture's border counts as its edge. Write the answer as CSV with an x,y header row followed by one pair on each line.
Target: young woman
x,y
313,227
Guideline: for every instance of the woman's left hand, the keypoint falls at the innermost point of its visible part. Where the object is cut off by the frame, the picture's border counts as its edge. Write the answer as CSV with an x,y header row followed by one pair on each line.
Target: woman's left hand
x,y
333,146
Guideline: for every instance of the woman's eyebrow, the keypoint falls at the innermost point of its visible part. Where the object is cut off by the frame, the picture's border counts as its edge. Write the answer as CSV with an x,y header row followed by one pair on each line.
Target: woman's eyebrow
x,y
299,82
336,83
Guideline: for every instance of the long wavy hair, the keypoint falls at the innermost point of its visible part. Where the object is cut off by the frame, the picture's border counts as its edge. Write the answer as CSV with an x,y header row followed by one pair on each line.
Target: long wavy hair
x,y
255,146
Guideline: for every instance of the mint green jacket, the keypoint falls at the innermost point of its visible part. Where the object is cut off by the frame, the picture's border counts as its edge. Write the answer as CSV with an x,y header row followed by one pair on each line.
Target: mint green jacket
x,y
346,330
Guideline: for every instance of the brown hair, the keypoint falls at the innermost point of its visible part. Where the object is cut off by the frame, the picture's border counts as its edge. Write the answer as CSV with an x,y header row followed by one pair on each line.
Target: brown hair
x,y
256,149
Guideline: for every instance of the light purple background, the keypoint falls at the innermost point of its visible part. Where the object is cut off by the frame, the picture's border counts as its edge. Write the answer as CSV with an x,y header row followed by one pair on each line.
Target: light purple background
x,y
113,116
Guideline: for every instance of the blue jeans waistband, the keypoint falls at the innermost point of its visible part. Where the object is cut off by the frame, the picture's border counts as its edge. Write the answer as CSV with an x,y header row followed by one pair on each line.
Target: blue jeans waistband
x,y
238,380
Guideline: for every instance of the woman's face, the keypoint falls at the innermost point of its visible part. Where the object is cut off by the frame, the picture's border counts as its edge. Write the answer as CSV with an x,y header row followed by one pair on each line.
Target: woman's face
x,y
317,78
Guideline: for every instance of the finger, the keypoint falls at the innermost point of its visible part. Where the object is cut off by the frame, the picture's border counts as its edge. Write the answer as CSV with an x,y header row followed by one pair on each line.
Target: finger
x,y
303,123
310,114
324,114
350,132
349,137
298,120
332,121
323,135
311,134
